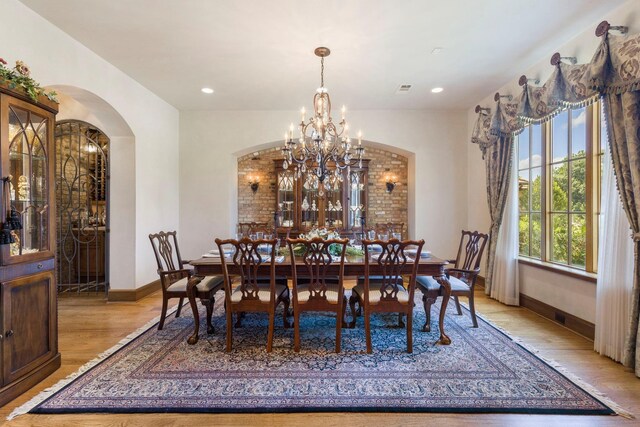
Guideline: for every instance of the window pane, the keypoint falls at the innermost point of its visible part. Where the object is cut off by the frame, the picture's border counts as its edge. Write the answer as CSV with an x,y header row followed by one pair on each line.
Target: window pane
x,y
523,190
523,149
578,132
578,240
536,146
524,234
536,235
559,182
536,189
578,185
560,238
560,127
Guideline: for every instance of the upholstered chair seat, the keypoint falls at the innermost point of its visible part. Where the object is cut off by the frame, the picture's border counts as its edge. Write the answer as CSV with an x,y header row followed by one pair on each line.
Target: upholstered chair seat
x,y
207,284
264,292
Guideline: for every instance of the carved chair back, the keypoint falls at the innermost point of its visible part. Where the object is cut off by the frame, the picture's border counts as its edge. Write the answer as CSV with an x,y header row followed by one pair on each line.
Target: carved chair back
x,y
247,228
167,253
317,258
248,261
391,264
470,251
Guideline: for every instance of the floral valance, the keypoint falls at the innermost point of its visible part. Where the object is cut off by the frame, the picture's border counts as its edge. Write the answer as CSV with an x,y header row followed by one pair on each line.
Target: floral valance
x,y
614,68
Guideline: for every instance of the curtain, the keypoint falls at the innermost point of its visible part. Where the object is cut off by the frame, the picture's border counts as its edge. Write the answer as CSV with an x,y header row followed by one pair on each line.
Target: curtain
x,y
498,165
615,270
614,74
623,119
504,285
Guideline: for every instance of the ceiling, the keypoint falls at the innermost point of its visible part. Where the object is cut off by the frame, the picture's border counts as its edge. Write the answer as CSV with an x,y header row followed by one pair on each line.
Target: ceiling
x,y
258,55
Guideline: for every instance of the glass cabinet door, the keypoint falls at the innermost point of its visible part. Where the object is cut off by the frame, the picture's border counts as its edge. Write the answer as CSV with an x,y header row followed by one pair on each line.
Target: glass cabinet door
x,y
310,204
286,198
28,190
333,204
356,199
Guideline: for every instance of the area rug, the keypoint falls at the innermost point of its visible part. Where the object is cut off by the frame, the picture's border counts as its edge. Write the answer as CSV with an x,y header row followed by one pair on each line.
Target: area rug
x,y
483,370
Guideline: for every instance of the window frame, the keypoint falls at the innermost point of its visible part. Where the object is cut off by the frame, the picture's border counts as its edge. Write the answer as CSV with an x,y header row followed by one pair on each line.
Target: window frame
x,y
593,171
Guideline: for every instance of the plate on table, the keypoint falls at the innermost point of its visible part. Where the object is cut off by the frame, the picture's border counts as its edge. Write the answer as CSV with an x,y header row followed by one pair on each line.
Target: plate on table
x,y
414,252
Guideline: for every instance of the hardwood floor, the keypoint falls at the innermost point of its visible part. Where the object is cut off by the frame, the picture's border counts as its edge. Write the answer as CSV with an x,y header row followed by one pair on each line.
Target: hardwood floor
x,y
89,325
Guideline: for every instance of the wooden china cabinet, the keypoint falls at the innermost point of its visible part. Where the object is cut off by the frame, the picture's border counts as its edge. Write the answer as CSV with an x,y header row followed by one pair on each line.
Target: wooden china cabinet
x,y
28,299
303,204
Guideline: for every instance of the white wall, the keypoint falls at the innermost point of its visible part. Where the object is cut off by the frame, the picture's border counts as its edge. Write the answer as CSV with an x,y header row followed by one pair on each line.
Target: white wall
x,y
211,140
577,297
150,203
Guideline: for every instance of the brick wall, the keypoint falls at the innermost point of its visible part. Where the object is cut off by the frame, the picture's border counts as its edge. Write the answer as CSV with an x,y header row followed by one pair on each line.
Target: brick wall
x,y
383,207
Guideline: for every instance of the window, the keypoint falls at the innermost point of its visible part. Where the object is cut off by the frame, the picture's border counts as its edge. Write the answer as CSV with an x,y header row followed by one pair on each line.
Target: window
x,y
559,169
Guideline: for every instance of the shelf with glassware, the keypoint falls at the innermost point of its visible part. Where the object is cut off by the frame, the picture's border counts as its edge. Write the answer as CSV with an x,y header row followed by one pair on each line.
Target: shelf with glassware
x,y
303,203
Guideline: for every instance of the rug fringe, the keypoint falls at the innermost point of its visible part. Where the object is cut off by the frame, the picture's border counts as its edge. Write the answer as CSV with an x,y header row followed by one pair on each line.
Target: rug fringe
x,y
558,367
48,392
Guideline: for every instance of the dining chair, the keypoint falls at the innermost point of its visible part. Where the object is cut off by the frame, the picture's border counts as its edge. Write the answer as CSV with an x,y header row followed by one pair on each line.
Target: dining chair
x,y
387,293
390,228
174,278
247,228
313,288
252,293
462,276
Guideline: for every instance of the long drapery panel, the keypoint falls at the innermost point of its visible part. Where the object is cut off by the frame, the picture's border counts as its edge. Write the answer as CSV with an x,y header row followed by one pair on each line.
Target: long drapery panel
x,y
613,74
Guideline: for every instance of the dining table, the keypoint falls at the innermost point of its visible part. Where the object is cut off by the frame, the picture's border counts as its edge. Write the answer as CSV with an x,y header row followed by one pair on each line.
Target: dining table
x,y
354,267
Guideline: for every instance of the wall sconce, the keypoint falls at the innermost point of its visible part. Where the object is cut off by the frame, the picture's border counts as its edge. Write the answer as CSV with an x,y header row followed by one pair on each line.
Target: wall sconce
x,y
391,183
254,183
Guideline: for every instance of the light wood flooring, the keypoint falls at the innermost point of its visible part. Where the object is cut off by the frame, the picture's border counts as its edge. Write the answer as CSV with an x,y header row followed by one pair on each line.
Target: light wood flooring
x,y
89,325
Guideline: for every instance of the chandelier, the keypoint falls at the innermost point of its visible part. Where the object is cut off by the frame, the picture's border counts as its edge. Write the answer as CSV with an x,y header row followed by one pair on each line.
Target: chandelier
x,y
322,147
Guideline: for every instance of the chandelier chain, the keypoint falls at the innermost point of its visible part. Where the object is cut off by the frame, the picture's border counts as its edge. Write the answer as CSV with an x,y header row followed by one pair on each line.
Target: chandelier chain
x,y
322,72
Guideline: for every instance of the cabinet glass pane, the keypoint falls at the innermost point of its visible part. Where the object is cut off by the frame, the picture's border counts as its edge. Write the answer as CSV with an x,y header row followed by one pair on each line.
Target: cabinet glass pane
x,y
310,201
356,198
333,204
286,198
28,175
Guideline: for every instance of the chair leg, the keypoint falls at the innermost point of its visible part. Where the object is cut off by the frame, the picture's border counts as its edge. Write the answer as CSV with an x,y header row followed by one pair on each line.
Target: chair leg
x,y
410,332
352,305
427,301
287,301
179,307
163,313
339,319
229,329
345,324
367,329
209,304
472,307
272,321
400,322
296,329
455,298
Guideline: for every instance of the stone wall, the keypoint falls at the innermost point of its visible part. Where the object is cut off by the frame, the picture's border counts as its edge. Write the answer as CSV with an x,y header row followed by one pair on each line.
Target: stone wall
x,y
383,206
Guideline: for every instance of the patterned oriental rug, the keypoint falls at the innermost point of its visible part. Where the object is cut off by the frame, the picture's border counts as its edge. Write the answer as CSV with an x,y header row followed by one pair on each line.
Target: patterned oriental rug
x,y
484,370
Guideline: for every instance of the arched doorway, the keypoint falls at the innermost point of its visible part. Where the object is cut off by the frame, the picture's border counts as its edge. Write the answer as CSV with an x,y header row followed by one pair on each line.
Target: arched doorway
x,y
82,201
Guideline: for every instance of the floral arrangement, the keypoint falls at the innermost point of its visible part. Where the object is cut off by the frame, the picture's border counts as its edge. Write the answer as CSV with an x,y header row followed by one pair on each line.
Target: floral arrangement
x,y
19,77
325,234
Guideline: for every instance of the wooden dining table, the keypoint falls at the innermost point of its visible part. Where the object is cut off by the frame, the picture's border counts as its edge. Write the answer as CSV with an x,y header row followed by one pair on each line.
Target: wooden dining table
x,y
354,266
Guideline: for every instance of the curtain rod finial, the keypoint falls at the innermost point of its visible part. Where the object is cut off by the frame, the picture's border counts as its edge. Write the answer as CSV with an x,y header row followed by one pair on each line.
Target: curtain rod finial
x,y
497,97
556,59
524,80
604,27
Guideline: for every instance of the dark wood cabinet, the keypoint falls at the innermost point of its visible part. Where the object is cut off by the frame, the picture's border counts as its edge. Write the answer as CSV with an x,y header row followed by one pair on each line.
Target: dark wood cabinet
x,y
303,203
28,297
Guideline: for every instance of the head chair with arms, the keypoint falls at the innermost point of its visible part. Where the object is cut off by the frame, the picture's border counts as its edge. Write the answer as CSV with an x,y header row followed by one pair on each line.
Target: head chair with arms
x,y
462,276
174,278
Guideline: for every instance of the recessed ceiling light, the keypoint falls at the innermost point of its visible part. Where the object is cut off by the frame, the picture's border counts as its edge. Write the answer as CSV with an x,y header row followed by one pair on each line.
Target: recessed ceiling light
x,y
437,50
437,90
206,90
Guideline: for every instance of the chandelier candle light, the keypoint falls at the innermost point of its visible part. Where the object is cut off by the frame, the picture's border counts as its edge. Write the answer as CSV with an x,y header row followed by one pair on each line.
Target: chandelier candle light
x,y
321,143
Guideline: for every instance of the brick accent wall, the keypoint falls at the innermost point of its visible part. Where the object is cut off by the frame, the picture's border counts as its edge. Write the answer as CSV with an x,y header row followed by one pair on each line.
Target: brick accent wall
x,y
383,207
